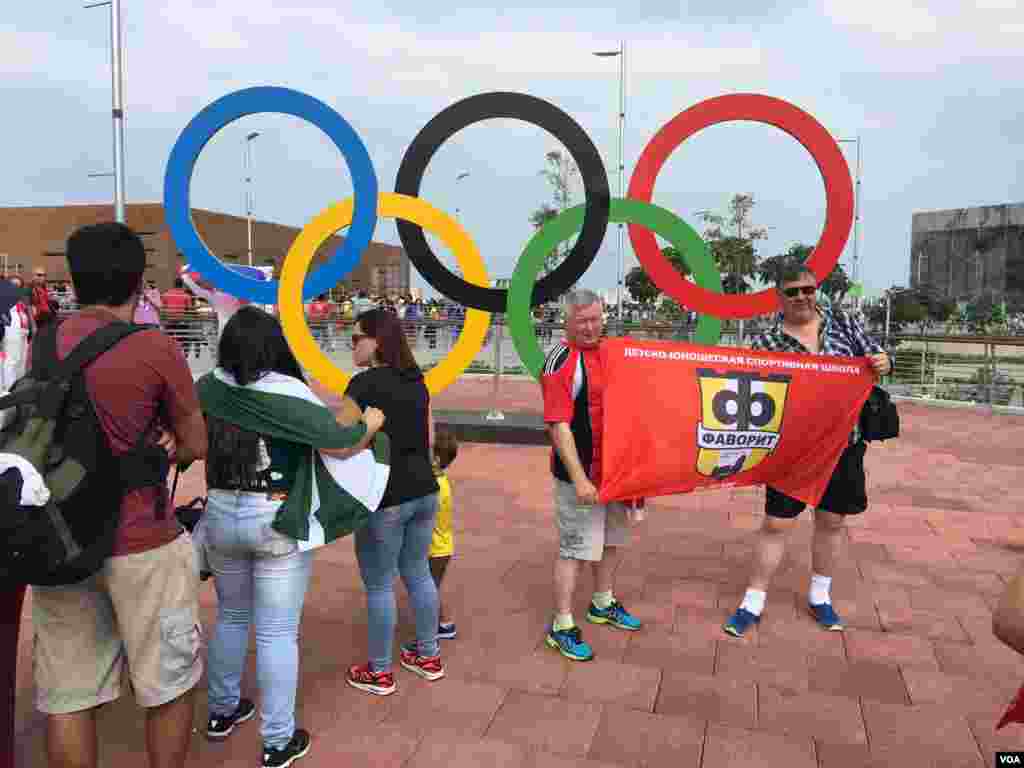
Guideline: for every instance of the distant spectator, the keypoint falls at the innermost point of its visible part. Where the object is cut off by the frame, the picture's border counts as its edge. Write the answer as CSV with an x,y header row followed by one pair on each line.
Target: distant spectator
x,y
150,302
18,331
177,305
44,307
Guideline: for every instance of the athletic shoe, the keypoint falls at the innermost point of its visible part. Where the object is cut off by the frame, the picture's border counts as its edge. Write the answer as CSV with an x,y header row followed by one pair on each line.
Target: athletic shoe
x,y
740,622
365,679
220,727
615,614
826,617
569,643
427,667
446,631
289,753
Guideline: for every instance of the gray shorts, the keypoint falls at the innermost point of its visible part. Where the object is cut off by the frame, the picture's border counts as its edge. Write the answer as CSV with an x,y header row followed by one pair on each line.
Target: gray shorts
x,y
584,530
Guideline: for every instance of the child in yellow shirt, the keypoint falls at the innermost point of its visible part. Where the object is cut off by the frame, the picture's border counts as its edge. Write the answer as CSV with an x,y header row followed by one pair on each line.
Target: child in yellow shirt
x,y
442,545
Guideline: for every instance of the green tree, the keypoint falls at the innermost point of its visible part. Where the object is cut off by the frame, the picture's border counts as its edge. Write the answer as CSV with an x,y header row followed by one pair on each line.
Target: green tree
x,y
734,253
559,171
641,287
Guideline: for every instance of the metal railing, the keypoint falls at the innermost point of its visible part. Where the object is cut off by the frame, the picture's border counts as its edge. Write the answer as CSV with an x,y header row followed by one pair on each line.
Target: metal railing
x,y
979,369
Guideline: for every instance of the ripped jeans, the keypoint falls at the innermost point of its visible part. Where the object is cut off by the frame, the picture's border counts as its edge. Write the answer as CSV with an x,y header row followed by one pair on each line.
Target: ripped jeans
x,y
261,578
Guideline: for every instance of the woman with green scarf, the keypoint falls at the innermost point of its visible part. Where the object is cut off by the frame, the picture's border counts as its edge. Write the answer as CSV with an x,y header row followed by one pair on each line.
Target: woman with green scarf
x,y
283,477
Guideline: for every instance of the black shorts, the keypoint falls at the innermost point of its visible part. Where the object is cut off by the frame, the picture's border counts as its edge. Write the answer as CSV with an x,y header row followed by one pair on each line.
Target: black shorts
x,y
846,493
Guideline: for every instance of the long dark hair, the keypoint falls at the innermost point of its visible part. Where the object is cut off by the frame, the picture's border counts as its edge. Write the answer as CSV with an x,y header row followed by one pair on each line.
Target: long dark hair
x,y
253,344
392,346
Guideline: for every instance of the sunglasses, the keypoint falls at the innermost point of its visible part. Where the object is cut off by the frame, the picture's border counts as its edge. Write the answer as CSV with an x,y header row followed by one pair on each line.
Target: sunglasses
x,y
806,290
356,338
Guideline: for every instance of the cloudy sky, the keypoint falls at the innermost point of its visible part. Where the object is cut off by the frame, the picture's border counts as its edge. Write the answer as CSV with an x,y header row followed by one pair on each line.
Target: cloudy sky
x,y
933,88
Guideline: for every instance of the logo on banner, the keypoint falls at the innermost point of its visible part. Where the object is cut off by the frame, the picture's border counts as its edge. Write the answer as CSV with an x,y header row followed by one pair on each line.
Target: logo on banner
x,y
740,420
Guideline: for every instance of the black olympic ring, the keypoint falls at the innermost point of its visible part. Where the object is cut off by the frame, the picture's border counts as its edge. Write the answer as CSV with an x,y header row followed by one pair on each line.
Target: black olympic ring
x,y
544,115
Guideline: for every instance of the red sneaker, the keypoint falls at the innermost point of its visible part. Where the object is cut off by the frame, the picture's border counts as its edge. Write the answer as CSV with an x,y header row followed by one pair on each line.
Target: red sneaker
x,y
428,667
365,679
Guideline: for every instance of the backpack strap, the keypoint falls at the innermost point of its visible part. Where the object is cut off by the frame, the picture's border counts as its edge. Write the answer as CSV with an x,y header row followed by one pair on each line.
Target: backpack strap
x,y
92,346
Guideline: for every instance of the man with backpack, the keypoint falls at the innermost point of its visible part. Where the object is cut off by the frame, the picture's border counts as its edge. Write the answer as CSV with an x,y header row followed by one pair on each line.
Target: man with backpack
x,y
135,618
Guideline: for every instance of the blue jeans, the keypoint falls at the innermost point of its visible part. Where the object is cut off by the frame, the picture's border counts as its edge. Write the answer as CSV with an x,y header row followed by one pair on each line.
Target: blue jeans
x,y
397,539
261,578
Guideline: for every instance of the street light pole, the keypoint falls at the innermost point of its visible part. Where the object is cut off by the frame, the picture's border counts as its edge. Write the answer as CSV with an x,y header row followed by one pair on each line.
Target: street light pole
x,y
117,99
458,207
248,187
621,54
856,217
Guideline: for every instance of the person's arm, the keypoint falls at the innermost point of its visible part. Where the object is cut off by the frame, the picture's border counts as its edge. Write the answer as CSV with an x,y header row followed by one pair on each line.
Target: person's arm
x,y
431,429
1008,620
181,405
197,287
557,387
13,350
349,413
880,362
564,442
374,420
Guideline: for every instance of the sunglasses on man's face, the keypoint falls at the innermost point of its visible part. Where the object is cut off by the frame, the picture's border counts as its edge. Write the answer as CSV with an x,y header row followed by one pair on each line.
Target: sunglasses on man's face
x,y
356,338
806,290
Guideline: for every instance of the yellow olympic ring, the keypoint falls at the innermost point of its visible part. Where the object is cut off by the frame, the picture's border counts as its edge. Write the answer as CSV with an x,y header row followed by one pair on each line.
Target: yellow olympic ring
x,y
338,216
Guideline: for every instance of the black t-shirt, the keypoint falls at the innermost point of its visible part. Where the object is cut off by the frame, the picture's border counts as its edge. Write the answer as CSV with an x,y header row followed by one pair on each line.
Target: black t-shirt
x,y
404,399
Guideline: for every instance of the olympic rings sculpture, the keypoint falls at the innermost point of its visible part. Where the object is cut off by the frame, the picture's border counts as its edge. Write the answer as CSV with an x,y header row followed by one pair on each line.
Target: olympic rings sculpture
x,y
414,215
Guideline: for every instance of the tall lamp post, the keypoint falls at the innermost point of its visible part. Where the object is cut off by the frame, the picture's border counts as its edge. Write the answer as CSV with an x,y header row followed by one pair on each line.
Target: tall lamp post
x,y
117,109
621,54
248,187
856,216
458,207
460,177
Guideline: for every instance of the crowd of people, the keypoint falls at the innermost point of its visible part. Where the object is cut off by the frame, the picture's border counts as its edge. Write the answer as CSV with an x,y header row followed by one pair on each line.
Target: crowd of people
x,y
266,439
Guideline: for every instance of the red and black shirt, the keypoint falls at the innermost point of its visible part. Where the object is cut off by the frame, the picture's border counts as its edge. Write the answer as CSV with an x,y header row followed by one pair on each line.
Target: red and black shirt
x,y
572,383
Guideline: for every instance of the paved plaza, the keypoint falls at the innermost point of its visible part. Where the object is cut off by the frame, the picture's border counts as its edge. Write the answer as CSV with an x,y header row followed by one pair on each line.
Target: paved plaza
x,y
917,679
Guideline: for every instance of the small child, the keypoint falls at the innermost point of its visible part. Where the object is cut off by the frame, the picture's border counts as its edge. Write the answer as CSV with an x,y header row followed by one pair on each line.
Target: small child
x,y
442,545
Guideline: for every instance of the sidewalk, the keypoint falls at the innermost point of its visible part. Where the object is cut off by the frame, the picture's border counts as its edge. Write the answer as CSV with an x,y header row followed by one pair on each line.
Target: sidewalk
x,y
917,679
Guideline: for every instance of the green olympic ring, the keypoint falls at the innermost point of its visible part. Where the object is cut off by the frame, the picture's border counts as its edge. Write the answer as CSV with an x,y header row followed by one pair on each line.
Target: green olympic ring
x,y
623,211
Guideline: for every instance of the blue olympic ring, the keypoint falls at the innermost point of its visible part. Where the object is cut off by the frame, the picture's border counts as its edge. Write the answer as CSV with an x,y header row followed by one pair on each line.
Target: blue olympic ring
x,y
227,109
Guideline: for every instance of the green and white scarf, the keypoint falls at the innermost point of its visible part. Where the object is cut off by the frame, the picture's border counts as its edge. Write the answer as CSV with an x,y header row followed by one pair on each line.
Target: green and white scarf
x,y
329,497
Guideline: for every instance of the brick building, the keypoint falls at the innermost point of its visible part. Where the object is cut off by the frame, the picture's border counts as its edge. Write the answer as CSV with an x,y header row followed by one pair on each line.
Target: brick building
x,y
36,236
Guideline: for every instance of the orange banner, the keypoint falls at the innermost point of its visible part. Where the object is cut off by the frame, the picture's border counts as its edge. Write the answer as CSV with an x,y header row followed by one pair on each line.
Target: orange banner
x,y
681,417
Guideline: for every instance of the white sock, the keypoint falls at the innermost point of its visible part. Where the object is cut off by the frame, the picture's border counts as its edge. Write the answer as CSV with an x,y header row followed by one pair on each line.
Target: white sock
x,y
820,586
603,599
753,601
563,621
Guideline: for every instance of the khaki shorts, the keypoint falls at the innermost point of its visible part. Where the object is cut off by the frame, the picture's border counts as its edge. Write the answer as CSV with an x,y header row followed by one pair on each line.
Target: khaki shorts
x,y
583,530
140,610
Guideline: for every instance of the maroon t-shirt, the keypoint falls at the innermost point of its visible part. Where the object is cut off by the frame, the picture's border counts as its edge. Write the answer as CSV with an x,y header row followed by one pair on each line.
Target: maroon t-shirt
x,y
144,376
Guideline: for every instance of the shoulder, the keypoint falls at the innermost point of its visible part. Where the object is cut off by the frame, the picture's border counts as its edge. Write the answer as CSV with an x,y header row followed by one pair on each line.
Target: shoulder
x,y
556,358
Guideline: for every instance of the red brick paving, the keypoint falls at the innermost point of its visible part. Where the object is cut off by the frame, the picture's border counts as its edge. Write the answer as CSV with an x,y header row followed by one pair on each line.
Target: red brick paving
x,y
917,679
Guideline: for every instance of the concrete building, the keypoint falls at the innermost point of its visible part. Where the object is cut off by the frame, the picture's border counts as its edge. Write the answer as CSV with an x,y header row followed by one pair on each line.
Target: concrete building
x,y
966,252
36,236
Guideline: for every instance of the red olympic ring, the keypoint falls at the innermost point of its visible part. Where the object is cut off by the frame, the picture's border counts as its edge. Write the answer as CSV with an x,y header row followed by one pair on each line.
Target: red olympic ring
x,y
762,109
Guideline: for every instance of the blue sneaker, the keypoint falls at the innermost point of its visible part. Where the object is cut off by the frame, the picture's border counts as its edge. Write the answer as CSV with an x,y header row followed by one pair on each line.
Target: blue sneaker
x,y
740,622
615,614
826,617
569,643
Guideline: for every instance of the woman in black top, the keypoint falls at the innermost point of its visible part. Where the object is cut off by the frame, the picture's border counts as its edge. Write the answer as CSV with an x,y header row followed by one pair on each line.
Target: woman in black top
x,y
398,535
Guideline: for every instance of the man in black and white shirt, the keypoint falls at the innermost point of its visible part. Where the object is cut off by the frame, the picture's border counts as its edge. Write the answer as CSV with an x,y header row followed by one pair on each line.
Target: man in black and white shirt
x,y
806,328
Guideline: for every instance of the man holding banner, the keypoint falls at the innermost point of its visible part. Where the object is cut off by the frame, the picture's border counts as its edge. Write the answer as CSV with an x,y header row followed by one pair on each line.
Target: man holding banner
x,y
573,384
806,328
